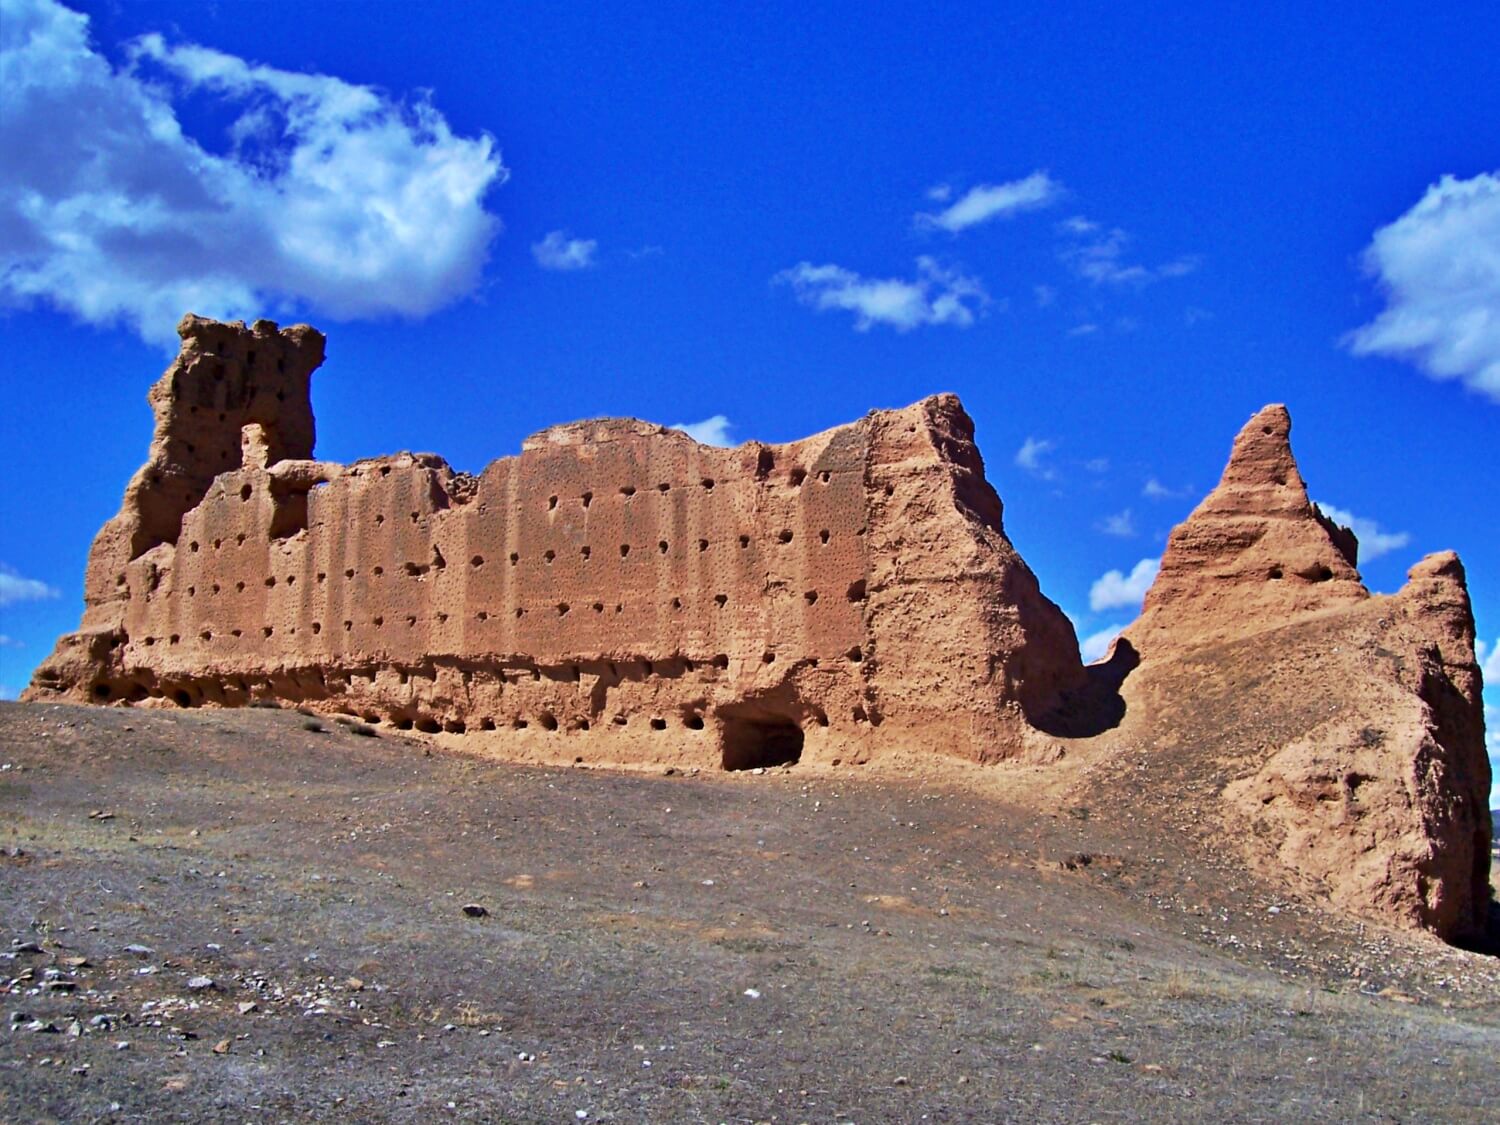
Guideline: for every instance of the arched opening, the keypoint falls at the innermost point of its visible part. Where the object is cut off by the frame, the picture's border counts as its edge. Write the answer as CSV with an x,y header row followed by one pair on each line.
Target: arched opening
x,y
749,744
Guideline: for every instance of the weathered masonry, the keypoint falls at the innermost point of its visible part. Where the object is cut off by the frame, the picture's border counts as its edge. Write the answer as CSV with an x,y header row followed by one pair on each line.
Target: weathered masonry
x,y
617,588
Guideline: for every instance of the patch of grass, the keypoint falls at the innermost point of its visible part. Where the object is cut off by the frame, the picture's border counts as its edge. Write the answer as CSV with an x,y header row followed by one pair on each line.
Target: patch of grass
x,y
748,945
953,972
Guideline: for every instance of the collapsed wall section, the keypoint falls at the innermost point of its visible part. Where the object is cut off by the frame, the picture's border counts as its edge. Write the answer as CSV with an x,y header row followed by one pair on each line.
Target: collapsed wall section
x,y
612,582
224,378
1344,729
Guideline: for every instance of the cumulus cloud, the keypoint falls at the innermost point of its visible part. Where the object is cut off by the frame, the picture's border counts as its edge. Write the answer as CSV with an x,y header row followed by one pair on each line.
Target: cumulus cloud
x,y
937,295
14,588
319,193
10,642
1118,590
1098,256
1438,266
985,202
559,252
710,431
1095,645
1373,542
1121,525
1031,457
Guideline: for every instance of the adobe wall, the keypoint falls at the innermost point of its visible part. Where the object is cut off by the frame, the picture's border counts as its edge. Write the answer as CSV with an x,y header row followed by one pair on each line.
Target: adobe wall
x,y
617,592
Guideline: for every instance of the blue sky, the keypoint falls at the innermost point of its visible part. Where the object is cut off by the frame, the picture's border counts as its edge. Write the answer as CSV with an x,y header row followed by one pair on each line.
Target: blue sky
x,y
1115,234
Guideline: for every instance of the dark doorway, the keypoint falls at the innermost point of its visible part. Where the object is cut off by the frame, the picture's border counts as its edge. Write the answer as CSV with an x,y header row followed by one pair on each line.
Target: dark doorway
x,y
758,744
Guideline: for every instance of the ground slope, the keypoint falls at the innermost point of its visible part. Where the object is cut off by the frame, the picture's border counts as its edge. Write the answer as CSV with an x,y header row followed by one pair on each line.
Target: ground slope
x,y
811,944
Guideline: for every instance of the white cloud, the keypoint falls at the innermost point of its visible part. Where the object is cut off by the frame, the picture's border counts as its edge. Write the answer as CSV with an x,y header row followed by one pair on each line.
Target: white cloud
x,y
1153,489
710,431
319,194
1097,465
1095,645
559,252
939,193
1117,590
937,295
1121,524
1030,457
984,202
10,642
14,588
1488,656
1438,266
1372,541
1098,256
1489,662
1083,330
1045,295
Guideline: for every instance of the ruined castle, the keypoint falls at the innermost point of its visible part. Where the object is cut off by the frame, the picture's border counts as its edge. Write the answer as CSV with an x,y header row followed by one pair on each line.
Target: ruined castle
x,y
614,581
618,593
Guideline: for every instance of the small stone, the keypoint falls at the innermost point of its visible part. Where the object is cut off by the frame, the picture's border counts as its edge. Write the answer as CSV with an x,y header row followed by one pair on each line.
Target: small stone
x,y
901,1080
27,947
474,910
354,984
139,950
221,1047
200,984
122,1045
248,1006
42,1027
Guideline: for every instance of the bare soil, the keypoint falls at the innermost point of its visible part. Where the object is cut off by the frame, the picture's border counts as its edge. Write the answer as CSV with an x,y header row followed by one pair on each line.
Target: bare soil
x,y
788,945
